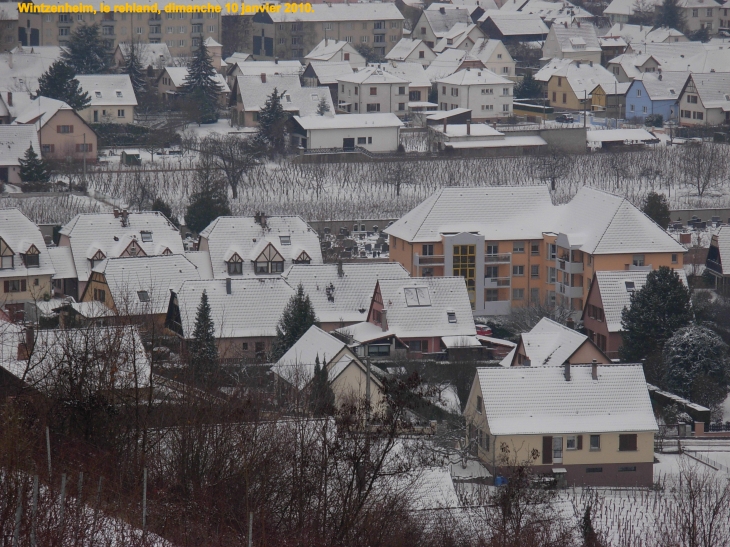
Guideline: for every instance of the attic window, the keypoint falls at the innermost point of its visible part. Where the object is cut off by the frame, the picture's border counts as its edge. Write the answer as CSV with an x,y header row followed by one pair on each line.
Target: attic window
x,y
285,240
630,286
97,94
143,296
119,94
288,98
303,258
451,316
315,97
146,236
417,296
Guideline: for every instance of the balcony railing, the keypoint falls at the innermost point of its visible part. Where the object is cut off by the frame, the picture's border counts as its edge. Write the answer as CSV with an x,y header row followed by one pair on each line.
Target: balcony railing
x,y
496,282
714,266
429,260
503,258
570,292
570,267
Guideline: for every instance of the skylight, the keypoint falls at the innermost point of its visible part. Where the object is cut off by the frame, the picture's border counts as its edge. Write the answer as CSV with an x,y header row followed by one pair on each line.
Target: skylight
x,y
417,296
146,236
285,240
143,296
119,94
97,94
451,316
630,286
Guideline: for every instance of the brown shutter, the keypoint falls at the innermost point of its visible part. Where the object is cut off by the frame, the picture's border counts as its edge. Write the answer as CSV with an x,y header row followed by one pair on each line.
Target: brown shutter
x,y
6,286
72,129
90,147
547,450
78,148
579,442
58,129
22,285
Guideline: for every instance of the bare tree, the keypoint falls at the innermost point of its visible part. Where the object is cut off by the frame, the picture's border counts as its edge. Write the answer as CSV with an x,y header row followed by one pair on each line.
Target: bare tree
x,y
234,155
703,166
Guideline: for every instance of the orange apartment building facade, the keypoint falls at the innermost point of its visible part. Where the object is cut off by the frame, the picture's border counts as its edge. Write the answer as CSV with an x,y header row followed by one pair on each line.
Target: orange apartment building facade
x,y
514,247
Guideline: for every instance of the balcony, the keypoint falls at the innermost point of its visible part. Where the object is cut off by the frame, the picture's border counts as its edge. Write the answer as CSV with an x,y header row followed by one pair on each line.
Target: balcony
x,y
498,307
570,267
714,266
496,282
429,260
569,292
503,258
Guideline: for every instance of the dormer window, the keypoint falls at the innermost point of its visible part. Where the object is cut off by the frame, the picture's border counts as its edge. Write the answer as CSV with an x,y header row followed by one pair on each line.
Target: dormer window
x,y
235,264
96,258
166,252
32,260
269,261
303,258
146,236
7,256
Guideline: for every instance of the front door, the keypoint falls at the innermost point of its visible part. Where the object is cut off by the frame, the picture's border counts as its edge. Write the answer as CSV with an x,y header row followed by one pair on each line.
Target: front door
x,y
96,116
557,450
348,145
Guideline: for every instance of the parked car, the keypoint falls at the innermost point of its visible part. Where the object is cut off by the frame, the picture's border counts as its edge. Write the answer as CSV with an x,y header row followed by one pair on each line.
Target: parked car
x,y
564,118
483,330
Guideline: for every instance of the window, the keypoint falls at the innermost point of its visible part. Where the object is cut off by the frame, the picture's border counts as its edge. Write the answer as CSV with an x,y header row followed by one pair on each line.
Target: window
x,y
594,469
505,91
552,250
15,285
518,294
211,28
370,140
364,39
625,468
138,30
454,91
535,295
379,38
64,129
328,26
48,148
143,296
378,350
505,70
490,272
674,259
244,346
415,345
518,270
357,90
361,140
630,286
427,250
31,260
644,109
120,113
374,107
565,98
627,443
487,91
638,260
84,147
421,54
534,248
99,295
692,99
64,18
638,92
379,25
555,97
492,248
491,295
417,296
63,31
193,28
518,247
107,31
401,106
574,442
181,43
451,316
595,442
695,13
487,107
551,274
505,108
535,271
395,24
285,240
401,90
373,91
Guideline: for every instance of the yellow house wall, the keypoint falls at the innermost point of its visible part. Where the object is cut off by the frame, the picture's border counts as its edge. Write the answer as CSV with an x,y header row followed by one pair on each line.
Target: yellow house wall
x,y
586,353
64,144
352,383
559,85
33,292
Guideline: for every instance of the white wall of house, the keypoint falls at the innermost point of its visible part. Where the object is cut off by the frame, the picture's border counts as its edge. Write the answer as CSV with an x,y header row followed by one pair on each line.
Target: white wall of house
x,y
501,62
703,16
485,101
390,97
425,60
375,139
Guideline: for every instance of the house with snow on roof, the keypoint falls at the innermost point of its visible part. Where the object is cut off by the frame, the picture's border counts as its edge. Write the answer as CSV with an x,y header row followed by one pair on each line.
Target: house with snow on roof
x,y
437,20
652,94
495,57
610,99
112,98
550,343
417,317
25,265
257,68
411,51
347,374
250,93
94,237
573,41
609,294
376,132
481,139
62,132
513,27
259,245
705,99
591,425
335,51
172,79
451,61
719,245
153,57
372,89
419,86
245,312
570,86
21,67
325,74
488,95
341,293
633,34
14,142
461,36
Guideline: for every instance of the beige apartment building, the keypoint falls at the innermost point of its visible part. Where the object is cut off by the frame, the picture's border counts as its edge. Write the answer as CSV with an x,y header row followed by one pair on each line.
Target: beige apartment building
x,y
294,35
182,32
514,247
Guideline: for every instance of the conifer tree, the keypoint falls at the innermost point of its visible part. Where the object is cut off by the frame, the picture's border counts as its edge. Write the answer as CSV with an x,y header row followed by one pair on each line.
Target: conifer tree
x,y
321,398
200,87
32,167
297,318
656,207
272,124
670,15
87,52
59,82
132,67
323,107
203,347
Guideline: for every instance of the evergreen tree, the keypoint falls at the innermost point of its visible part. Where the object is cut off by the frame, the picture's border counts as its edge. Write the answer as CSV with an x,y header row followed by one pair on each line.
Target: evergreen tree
x,y
272,124
321,397
297,318
33,168
200,86
132,67
59,82
590,538
87,52
697,365
203,348
205,206
323,107
658,310
160,206
528,88
670,14
656,207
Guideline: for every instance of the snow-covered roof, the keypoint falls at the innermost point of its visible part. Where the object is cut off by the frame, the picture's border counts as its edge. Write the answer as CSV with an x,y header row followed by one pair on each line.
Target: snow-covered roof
x,y
92,232
550,12
505,142
583,77
576,37
447,62
642,33
108,89
14,141
296,99
211,42
328,48
442,17
141,285
371,75
238,57
349,121
615,289
475,76
178,74
328,72
364,332
404,48
516,23
484,48
552,67
201,260
684,56
721,239
40,111
625,7
668,87
270,68
456,36
413,73
540,401
421,307
289,235
713,89
343,298
375,11
9,12
21,234
619,135
550,343
252,310
154,55
21,67
63,262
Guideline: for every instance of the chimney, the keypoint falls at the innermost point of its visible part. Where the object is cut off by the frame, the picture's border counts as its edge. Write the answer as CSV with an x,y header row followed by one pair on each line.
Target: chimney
x,y
594,370
590,63
384,320
276,60
621,26
567,372
570,323
577,23
10,59
10,98
263,77
125,218
228,285
340,271
442,10
468,127
116,212
444,126
565,24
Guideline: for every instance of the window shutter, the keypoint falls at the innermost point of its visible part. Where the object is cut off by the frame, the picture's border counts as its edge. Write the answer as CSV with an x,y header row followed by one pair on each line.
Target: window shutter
x,y
58,129
580,442
547,450
72,128
22,285
90,147
78,148
6,286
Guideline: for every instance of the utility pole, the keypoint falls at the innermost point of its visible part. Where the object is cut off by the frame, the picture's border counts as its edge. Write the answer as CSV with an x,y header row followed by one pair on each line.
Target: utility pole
x,y
63,500
18,516
367,393
144,502
34,513
48,449
250,529
84,158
